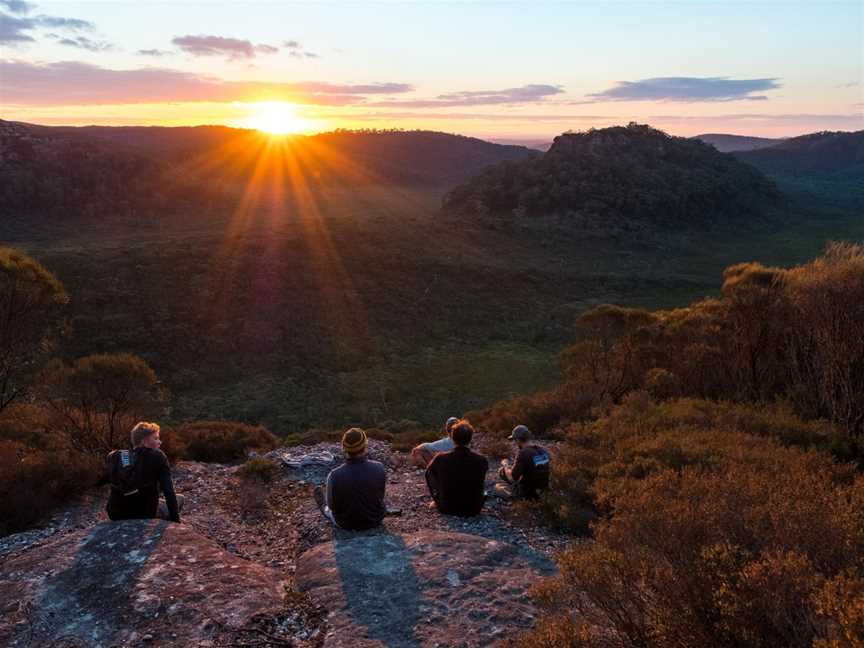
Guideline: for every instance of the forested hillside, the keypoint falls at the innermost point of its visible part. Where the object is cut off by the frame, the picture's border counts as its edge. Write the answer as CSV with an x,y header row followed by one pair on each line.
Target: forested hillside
x,y
836,155
634,174
729,143
140,171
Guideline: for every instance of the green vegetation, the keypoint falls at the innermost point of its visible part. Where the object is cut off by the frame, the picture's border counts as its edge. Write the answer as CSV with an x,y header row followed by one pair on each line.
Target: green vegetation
x,y
714,454
635,175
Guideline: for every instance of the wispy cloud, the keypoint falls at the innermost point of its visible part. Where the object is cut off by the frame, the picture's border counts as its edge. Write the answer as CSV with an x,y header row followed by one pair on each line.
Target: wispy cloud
x,y
17,6
688,89
77,83
153,52
82,42
296,50
15,30
533,93
231,48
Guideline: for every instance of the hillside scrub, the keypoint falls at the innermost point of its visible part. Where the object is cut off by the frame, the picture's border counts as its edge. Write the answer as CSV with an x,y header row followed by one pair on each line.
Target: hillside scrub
x,y
794,335
711,454
714,525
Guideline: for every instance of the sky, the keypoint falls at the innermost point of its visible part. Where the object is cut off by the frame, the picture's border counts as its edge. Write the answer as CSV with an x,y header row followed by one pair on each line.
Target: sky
x,y
497,70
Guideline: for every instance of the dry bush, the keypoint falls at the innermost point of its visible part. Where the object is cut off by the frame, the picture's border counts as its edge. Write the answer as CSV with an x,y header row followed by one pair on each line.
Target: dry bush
x,y
717,529
34,481
223,441
31,306
99,398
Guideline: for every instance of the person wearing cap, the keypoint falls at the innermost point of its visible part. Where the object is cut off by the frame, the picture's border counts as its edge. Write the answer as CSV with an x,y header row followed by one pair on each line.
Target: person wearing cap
x,y
529,473
354,494
422,454
456,478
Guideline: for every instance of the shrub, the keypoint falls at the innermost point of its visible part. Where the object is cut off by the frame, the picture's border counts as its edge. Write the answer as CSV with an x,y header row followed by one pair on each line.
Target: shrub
x,y
223,441
258,469
33,482
31,305
715,525
98,399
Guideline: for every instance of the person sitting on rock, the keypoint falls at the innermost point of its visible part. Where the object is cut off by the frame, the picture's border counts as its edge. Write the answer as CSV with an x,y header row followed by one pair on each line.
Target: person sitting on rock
x,y
354,495
136,477
529,474
422,454
456,479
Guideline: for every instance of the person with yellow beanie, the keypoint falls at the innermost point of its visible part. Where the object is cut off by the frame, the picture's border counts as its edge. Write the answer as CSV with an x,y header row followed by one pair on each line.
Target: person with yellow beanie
x,y
354,494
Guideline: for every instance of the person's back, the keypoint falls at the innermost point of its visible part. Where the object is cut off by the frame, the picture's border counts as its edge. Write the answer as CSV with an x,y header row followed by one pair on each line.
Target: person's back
x,y
460,477
137,495
531,471
136,477
355,490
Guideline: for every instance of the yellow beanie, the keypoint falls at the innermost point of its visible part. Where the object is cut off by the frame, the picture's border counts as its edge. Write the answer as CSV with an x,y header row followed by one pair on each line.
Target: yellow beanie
x,y
354,441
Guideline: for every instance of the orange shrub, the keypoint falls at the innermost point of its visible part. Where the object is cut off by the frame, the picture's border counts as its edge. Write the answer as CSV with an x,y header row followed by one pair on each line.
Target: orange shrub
x,y
223,441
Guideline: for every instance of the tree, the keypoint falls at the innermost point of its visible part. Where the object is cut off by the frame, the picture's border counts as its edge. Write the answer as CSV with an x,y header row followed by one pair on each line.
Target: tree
x,y
99,398
31,306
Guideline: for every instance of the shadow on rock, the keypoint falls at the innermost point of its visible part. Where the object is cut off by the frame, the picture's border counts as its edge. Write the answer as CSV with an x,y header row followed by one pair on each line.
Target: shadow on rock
x,y
492,528
90,596
381,589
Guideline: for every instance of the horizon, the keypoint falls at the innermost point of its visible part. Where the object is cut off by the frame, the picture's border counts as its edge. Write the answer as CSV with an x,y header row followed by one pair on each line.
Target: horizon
x,y
528,142
364,65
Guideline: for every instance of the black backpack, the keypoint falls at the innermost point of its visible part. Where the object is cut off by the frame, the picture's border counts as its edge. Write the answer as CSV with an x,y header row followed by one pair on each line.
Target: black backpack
x,y
540,469
124,472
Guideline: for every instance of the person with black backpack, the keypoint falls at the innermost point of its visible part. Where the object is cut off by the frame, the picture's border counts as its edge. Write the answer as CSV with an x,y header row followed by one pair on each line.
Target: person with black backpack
x,y
136,476
529,474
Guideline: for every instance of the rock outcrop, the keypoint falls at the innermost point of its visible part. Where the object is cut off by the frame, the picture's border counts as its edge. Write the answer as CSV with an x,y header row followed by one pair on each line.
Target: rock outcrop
x,y
430,588
141,582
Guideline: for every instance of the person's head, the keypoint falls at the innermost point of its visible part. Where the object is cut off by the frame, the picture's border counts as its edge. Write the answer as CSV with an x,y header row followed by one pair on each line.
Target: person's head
x,y
449,423
521,435
354,443
145,435
461,432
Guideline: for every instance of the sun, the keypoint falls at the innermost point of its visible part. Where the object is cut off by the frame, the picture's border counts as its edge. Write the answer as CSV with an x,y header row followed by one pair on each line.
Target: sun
x,y
274,117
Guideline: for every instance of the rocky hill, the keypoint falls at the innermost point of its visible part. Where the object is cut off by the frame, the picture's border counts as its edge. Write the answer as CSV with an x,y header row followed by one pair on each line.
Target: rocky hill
x,y
278,575
634,174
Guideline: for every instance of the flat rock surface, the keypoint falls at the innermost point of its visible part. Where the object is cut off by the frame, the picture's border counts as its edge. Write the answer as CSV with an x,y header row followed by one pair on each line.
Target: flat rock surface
x,y
141,582
225,556
431,588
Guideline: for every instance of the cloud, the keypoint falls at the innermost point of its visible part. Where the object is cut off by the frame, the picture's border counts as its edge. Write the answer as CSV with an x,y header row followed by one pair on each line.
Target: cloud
x,y
153,52
77,83
17,6
13,30
72,24
533,93
296,50
688,89
82,42
232,48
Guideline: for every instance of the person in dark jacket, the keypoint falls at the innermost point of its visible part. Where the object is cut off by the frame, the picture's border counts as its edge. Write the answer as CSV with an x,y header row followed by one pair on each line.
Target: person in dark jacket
x,y
456,479
137,475
529,474
354,494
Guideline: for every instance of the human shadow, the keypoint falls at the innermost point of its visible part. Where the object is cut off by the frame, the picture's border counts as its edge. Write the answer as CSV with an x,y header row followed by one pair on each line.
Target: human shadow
x,y
91,598
492,528
381,588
